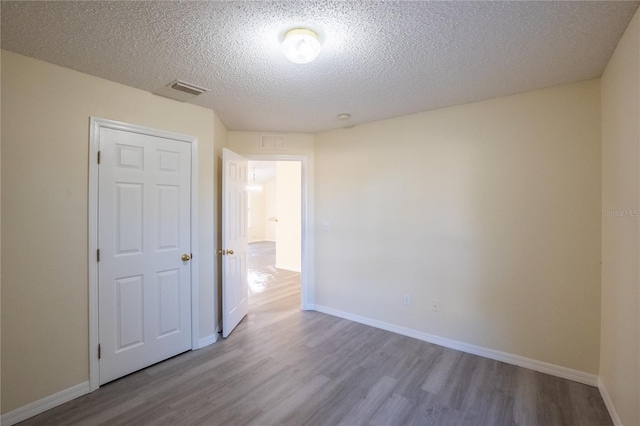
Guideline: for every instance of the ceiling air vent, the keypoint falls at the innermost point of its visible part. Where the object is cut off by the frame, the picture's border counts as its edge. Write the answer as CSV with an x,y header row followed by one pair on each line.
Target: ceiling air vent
x,y
189,88
272,142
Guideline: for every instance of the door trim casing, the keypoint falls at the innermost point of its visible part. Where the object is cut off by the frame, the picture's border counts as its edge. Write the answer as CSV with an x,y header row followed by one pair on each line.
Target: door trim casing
x,y
307,298
94,144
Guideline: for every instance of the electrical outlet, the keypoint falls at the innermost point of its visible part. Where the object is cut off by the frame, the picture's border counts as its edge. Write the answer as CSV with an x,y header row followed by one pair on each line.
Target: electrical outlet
x,y
324,226
406,299
435,305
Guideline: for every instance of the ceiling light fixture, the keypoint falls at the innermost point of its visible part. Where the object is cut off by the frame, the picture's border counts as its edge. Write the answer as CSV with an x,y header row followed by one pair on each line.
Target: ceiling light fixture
x,y
254,186
301,45
344,116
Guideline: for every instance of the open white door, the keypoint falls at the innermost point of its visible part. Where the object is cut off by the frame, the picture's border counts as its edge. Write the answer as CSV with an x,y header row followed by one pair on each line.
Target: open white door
x,y
235,288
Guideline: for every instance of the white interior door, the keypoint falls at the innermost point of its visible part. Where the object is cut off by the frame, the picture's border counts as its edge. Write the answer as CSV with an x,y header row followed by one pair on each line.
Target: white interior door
x,y
235,287
144,240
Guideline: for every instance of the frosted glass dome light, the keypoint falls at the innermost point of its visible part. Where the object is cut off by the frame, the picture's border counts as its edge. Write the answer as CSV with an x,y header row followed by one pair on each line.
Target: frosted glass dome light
x,y
301,45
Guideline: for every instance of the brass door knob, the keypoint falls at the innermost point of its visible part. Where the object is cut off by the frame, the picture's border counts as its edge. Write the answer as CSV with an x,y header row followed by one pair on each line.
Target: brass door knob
x,y
229,251
186,257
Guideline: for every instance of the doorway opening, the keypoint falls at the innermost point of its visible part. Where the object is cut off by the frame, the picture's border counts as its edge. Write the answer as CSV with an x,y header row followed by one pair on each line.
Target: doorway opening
x,y
274,228
236,182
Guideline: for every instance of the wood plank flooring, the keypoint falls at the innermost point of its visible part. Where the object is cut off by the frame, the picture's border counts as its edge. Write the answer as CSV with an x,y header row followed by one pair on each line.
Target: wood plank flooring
x,y
284,366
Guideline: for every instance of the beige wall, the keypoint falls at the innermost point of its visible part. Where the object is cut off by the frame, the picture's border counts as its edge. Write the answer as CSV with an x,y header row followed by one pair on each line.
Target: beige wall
x,y
45,135
288,203
493,208
270,210
620,352
257,215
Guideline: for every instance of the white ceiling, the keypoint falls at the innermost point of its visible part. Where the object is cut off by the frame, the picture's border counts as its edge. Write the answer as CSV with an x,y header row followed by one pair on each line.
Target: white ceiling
x,y
262,171
378,60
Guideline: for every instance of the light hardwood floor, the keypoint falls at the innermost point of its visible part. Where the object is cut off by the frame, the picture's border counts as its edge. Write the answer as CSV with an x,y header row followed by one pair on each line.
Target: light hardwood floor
x,y
285,366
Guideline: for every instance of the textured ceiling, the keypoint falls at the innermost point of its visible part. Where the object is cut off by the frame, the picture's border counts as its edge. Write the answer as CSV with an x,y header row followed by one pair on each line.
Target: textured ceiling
x,y
378,60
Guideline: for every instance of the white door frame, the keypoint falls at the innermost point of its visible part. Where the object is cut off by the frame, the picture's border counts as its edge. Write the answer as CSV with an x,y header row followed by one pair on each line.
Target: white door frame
x,y
306,288
94,144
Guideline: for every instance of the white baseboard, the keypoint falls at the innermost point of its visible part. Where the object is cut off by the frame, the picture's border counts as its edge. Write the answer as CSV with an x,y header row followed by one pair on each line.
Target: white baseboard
x,y
288,268
59,398
609,403
37,407
532,364
206,341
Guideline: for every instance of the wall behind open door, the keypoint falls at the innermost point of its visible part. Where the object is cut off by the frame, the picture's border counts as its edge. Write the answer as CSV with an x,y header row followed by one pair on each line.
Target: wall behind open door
x,y
288,206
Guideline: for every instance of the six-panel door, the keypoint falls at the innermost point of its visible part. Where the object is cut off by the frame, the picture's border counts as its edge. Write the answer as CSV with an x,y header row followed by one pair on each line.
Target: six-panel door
x,y
144,285
235,287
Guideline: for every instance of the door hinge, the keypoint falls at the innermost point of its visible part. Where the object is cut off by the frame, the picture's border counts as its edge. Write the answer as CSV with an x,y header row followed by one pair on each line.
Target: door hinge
x,y
98,157
99,351
98,255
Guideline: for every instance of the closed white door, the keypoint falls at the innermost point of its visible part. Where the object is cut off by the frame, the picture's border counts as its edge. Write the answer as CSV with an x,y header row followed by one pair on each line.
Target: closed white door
x,y
144,240
235,287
